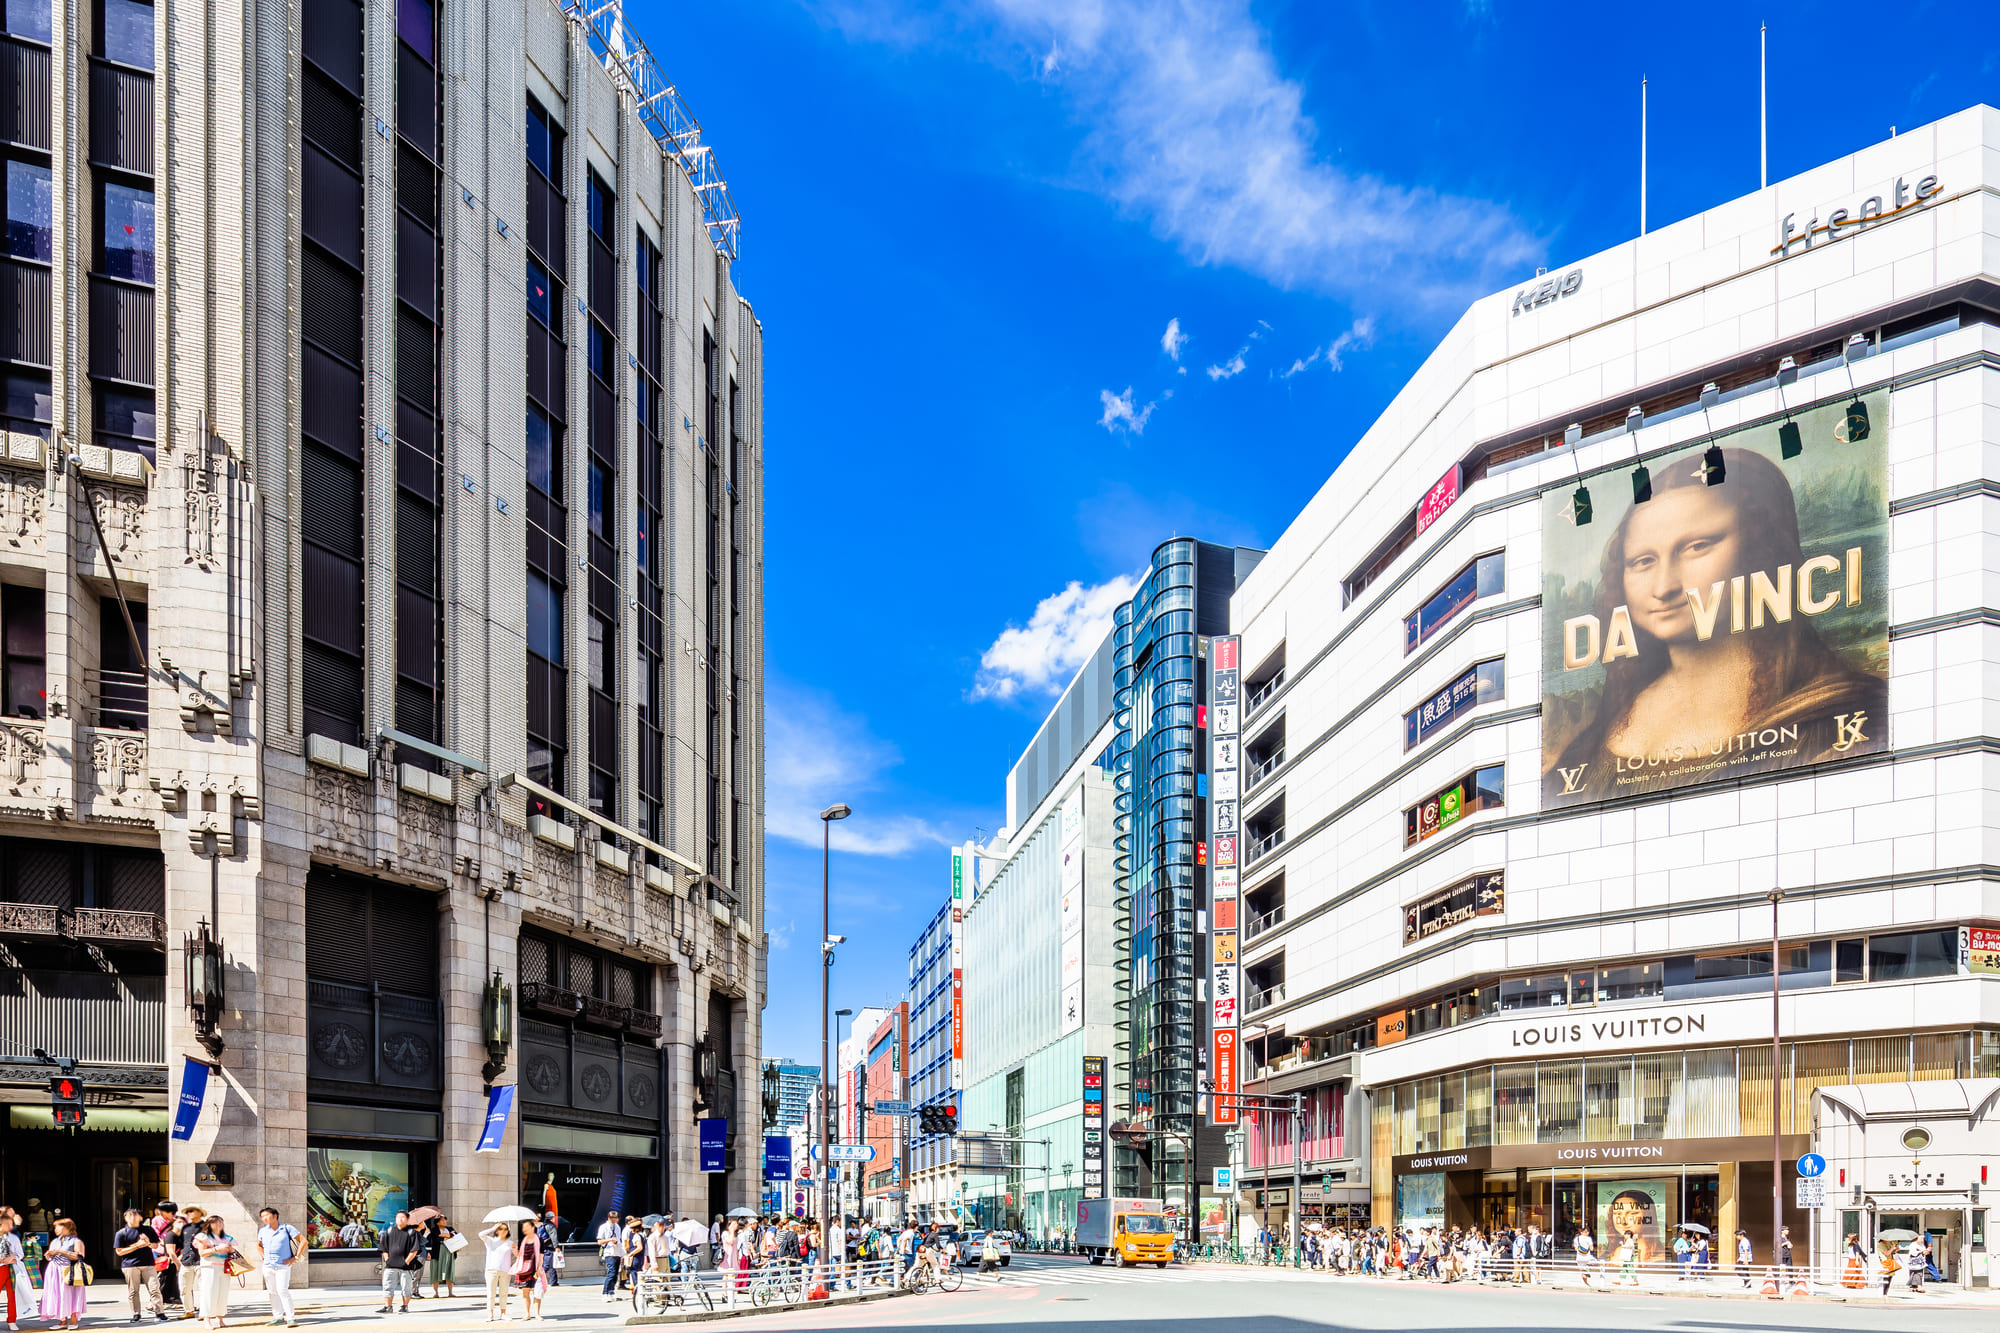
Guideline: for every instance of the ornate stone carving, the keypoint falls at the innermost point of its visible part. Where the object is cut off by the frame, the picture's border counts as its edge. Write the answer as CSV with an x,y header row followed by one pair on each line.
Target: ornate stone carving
x,y
543,1073
122,513
421,837
406,1053
340,1045
21,511
22,749
111,782
203,488
339,812
596,1082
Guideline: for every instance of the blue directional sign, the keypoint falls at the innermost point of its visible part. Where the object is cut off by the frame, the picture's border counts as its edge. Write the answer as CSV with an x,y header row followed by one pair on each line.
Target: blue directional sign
x,y
1812,1164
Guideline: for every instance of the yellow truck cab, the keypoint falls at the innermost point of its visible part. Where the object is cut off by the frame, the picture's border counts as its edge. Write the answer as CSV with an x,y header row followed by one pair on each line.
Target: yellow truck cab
x,y
1125,1231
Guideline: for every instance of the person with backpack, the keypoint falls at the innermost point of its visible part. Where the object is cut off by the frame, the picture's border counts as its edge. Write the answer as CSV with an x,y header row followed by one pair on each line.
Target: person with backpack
x,y
280,1246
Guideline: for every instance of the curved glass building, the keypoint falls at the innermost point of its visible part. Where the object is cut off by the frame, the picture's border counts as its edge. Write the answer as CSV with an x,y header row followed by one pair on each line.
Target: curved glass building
x,y
1160,641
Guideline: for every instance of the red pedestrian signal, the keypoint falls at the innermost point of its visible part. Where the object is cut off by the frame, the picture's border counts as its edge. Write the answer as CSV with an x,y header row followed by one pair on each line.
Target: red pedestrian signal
x,y
66,1099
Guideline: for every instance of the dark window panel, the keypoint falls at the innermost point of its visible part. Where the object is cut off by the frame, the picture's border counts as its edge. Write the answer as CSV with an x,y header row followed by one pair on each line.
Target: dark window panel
x,y
330,487
416,637
121,118
331,402
416,271
26,313
331,199
331,306
332,586
416,185
331,687
329,115
333,40
26,95
416,101
416,357
122,331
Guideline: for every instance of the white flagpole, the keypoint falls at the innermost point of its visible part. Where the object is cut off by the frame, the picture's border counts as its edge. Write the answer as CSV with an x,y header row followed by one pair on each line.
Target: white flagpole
x,y
1763,109
1642,157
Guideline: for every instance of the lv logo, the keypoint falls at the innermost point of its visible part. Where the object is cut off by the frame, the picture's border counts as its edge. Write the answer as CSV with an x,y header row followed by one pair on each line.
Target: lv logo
x,y
1572,779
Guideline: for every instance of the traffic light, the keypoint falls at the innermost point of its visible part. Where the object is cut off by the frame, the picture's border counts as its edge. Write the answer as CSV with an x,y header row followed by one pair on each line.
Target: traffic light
x,y
947,1119
937,1120
66,1099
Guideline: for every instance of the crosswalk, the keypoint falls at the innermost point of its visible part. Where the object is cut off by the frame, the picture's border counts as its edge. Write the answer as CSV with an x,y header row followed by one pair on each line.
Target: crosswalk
x,y
1036,1271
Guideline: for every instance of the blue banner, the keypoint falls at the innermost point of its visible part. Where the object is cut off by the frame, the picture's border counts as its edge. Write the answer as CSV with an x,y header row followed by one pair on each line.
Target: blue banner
x,y
777,1157
499,1106
194,1088
714,1143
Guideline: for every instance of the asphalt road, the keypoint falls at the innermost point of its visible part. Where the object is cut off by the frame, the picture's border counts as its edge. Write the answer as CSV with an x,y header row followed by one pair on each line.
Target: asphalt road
x,y
1059,1290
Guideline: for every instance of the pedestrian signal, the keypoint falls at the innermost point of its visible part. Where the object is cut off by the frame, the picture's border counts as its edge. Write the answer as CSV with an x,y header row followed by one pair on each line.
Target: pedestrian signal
x,y
66,1099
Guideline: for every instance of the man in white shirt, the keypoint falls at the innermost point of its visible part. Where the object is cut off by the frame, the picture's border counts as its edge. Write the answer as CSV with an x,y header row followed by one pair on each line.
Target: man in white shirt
x,y
281,1246
611,1249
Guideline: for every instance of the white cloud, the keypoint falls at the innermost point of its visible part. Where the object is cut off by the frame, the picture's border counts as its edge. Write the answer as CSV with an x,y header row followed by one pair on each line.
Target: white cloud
x,y
1040,657
1300,365
1359,336
1191,125
1173,339
816,754
1231,368
1119,414
1051,62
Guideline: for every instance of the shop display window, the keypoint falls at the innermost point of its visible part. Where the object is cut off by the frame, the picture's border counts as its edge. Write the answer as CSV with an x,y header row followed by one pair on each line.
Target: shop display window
x,y
353,1194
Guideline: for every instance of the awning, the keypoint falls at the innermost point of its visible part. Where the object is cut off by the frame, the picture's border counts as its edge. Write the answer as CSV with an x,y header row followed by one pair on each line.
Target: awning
x,y
118,1118
1889,1202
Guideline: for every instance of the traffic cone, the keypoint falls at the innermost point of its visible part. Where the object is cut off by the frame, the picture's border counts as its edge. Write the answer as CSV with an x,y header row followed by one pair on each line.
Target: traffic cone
x,y
819,1292
1770,1287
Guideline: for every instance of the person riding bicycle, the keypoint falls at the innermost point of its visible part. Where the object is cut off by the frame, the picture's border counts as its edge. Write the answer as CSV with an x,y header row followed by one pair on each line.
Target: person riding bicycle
x,y
926,1254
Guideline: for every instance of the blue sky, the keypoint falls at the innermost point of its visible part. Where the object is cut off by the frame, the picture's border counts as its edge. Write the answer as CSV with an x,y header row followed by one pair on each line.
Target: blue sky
x,y
1045,282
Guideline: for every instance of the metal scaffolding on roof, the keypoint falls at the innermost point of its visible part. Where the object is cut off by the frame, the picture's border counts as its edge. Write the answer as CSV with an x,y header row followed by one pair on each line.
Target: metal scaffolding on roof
x,y
663,112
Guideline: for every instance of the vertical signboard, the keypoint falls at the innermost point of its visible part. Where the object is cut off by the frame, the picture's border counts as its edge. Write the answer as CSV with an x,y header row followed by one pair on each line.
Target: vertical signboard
x,y
1225,743
1093,1127
1071,881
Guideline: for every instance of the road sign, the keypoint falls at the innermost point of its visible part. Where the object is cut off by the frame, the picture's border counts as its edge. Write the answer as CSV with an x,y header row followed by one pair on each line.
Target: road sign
x,y
1225,1177
1812,1164
892,1108
1808,1193
846,1152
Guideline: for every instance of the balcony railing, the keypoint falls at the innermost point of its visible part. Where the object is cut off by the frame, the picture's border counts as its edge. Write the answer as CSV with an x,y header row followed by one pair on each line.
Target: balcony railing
x,y
1264,999
542,998
1270,842
117,699
45,921
642,1024
1265,769
1268,920
1265,691
604,1014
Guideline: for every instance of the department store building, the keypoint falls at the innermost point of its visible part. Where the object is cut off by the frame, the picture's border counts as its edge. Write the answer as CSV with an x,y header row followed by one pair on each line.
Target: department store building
x,y
1666,587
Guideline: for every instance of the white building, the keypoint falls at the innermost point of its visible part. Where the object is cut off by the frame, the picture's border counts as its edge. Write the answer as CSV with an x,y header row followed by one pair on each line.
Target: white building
x,y
1526,756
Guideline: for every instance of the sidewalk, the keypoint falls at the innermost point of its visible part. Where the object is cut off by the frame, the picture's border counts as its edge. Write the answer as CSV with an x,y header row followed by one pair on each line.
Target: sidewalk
x,y
1723,1286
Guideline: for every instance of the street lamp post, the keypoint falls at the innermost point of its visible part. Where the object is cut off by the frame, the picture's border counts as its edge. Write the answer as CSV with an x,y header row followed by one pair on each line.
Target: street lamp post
x,y
826,817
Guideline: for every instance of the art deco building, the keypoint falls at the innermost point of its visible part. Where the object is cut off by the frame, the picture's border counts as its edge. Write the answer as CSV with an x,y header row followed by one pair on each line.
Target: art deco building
x,y
382,564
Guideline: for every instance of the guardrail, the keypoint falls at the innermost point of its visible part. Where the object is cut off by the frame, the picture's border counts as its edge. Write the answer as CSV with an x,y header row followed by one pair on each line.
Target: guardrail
x,y
1838,1277
765,1284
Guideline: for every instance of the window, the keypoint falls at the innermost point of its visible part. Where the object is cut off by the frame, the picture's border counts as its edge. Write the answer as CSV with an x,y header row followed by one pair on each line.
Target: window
x,y
1850,961
541,298
541,141
1482,789
30,19
545,629
1748,963
601,207
1925,953
125,32
125,420
1481,684
544,455
127,232
1547,990
600,487
1484,577
29,404
121,674
24,646
413,25
29,230
1638,981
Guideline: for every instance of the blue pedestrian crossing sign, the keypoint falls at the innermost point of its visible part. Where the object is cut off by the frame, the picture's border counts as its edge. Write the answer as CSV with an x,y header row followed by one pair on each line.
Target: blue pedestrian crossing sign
x,y
1812,1164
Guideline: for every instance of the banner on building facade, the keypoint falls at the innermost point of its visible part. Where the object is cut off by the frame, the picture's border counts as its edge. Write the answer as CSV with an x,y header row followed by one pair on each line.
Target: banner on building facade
x,y
194,1090
499,1107
1225,689
777,1157
1094,1184
714,1142
1734,623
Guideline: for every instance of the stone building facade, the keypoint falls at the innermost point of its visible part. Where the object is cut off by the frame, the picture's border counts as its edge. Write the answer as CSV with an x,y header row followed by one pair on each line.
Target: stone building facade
x,y
333,331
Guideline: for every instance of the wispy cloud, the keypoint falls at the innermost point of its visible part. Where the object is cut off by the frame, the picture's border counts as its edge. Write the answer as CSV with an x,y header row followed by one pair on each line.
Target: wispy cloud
x,y
1173,339
1041,656
815,754
1232,367
1358,336
1191,126
1119,414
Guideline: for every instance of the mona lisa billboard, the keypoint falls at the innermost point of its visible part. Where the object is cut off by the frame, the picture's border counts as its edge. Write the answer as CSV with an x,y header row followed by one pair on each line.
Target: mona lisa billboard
x,y
1720,628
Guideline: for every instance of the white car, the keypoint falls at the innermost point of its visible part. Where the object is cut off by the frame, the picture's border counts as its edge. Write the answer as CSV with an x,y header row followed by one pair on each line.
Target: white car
x,y
972,1246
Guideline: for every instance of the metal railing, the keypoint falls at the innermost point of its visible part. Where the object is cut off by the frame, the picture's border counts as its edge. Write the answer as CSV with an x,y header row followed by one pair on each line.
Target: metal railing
x,y
117,699
83,923
1265,769
1259,924
777,1282
1270,842
1838,1277
1264,999
1265,691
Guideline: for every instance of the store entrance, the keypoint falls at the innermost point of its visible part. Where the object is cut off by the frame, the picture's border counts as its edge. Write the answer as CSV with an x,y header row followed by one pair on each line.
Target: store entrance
x,y
89,1176
1498,1193
1944,1231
